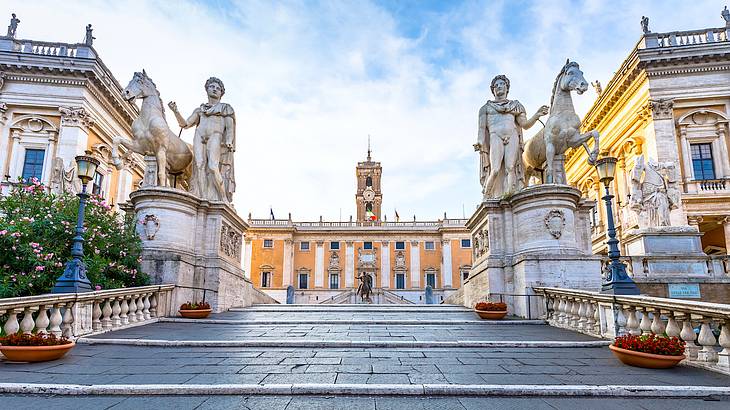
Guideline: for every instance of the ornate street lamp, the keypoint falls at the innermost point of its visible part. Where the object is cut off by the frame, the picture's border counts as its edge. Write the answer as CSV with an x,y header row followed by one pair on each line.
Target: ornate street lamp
x,y
615,279
73,279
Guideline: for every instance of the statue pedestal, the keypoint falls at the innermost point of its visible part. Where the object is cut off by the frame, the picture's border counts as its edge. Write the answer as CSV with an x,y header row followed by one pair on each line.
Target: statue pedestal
x,y
193,244
666,252
539,236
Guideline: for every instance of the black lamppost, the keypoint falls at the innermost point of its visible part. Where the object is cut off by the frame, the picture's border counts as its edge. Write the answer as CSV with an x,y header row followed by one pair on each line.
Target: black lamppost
x,y
615,281
73,279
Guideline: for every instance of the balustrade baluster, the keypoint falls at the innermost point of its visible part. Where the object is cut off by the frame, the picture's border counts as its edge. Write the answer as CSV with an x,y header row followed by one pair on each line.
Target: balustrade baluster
x,y
56,320
707,341
689,336
132,310
657,325
632,323
140,308
580,324
723,358
672,328
116,309
645,324
146,310
153,305
125,309
597,319
11,325
96,316
574,318
560,311
68,320
41,320
620,319
590,321
106,312
27,324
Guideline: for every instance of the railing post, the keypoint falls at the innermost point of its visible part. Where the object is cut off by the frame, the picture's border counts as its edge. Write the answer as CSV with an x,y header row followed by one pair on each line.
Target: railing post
x,y
68,320
657,325
56,319
11,325
96,316
689,336
27,324
723,358
707,341
632,324
41,321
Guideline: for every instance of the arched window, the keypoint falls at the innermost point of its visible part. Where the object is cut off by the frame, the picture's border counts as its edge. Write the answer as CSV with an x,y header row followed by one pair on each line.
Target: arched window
x,y
369,206
369,181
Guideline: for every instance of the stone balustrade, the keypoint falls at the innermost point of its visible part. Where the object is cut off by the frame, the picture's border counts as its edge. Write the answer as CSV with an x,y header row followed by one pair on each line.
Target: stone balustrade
x,y
354,224
704,326
45,48
78,314
685,38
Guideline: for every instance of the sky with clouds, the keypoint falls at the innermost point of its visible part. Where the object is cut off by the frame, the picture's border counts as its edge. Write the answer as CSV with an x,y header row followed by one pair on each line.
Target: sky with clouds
x,y
311,80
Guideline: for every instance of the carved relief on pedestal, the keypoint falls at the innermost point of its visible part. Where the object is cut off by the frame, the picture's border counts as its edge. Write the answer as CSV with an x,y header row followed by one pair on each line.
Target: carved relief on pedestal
x,y
230,242
150,225
334,261
555,222
75,117
480,242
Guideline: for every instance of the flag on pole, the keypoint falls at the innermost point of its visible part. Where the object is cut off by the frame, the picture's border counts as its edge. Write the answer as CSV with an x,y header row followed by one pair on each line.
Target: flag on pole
x,y
397,217
370,215
271,211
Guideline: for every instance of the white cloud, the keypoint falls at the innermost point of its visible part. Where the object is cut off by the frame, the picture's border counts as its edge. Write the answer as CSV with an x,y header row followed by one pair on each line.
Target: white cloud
x,y
310,81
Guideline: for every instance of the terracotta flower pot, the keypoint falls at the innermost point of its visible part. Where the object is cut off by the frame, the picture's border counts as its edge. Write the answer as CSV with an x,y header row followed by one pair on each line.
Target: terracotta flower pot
x,y
491,314
647,360
35,353
195,313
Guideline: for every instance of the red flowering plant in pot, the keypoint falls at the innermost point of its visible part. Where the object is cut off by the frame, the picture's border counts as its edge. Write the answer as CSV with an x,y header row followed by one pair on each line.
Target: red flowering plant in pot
x,y
192,310
491,310
39,347
649,350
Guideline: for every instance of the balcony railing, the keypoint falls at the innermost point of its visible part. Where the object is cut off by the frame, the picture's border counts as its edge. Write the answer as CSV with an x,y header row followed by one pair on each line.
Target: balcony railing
x,y
354,224
78,314
609,316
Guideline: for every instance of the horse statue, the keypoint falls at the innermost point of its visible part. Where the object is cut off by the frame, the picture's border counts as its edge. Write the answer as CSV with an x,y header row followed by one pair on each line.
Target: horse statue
x,y
152,135
546,150
365,289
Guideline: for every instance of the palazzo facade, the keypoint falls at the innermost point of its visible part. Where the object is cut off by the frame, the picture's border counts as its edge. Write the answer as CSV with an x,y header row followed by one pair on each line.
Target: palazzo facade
x,y
322,260
58,101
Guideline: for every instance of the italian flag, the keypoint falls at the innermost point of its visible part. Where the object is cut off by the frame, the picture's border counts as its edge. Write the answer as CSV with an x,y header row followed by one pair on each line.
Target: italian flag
x,y
370,215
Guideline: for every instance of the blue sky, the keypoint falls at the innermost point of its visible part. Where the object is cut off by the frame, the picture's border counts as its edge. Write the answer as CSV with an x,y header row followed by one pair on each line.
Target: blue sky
x,y
310,80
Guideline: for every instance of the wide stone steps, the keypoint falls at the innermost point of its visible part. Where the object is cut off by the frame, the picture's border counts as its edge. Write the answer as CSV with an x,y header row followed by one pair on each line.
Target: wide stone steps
x,y
339,356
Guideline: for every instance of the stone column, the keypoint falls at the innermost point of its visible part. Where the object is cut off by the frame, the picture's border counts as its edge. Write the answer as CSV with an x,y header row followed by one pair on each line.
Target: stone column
x,y
12,167
349,264
446,270
48,162
722,144
247,257
415,265
124,184
385,265
288,267
319,265
726,228
74,134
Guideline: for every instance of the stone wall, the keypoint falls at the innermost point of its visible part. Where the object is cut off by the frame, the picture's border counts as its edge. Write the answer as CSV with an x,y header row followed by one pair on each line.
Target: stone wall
x,y
710,292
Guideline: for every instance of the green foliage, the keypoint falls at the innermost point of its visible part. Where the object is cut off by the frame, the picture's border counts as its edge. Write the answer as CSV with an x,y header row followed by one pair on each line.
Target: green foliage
x,y
36,232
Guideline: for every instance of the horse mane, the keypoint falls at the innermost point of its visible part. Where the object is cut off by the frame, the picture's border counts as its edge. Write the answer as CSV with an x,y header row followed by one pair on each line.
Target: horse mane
x,y
144,76
567,65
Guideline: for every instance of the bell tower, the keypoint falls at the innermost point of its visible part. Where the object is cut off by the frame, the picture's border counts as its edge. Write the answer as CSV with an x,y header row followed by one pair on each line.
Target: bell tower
x,y
369,197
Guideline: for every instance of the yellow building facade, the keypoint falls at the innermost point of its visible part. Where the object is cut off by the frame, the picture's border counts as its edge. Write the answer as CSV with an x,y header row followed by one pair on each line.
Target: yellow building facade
x,y
322,260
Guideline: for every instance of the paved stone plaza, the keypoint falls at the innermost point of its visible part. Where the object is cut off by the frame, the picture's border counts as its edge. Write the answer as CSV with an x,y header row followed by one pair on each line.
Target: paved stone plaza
x,y
270,346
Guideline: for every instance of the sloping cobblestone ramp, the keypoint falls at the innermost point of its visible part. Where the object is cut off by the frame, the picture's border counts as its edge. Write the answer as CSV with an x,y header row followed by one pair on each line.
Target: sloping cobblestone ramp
x,y
353,357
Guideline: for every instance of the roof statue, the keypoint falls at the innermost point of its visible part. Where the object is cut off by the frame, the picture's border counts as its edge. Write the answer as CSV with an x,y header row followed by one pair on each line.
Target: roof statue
x,y
645,24
726,16
89,39
13,27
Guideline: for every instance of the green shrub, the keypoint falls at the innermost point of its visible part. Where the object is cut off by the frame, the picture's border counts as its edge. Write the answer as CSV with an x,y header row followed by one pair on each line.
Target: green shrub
x,y
36,232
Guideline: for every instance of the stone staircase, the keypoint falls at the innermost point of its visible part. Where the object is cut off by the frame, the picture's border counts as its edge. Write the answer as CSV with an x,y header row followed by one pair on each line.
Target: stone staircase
x,y
378,297
351,356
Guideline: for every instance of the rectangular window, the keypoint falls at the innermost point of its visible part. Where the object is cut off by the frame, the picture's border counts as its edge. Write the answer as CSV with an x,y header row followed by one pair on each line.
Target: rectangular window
x,y
303,246
367,245
429,245
303,280
702,161
334,245
400,281
33,164
431,280
400,245
96,186
265,279
466,243
334,281
268,243
464,275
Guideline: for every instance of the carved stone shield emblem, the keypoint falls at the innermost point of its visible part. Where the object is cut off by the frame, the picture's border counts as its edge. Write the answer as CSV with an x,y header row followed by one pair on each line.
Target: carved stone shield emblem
x,y
555,222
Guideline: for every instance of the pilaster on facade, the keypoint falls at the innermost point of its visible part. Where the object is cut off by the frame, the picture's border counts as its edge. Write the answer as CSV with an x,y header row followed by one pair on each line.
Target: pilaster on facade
x,y
415,265
319,265
726,230
349,264
248,254
288,264
446,269
385,264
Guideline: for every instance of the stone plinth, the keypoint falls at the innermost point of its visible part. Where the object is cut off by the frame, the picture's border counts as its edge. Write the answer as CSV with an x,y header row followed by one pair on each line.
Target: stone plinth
x,y
538,237
194,244
666,240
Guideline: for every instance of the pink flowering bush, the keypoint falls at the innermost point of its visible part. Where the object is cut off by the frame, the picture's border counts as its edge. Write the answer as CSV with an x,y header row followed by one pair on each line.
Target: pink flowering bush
x,y
36,232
